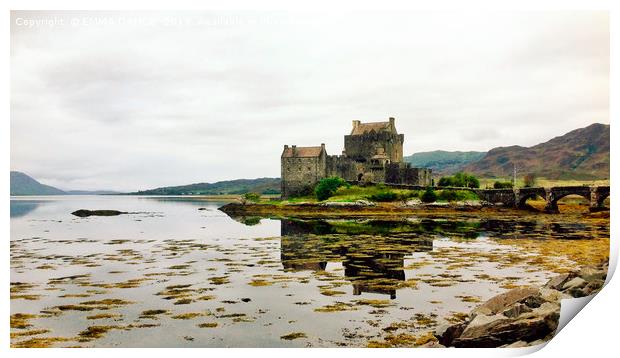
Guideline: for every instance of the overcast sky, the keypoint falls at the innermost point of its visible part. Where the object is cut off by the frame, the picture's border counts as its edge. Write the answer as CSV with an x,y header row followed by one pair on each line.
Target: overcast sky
x,y
130,101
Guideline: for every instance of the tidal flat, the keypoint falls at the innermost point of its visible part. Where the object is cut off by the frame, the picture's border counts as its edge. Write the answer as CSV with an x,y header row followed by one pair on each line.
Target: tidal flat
x,y
176,272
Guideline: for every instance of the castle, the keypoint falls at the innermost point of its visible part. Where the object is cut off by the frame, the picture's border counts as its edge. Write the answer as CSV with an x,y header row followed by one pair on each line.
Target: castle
x,y
373,152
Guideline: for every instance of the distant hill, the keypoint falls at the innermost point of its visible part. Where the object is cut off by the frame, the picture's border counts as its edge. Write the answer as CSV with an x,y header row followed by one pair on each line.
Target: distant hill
x,y
443,162
238,186
92,192
582,154
22,184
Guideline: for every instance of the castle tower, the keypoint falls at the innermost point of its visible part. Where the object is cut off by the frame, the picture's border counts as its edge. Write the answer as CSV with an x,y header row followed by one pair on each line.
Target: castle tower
x,y
361,145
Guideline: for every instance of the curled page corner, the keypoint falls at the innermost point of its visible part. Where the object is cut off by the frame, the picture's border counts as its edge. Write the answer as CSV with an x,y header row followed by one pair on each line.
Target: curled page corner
x,y
569,308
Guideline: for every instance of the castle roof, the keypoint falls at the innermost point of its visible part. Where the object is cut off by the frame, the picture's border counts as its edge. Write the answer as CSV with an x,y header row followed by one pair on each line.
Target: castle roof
x,y
301,152
363,128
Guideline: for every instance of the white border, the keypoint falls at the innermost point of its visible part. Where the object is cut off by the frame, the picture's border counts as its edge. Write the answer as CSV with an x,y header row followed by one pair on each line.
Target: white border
x,y
592,332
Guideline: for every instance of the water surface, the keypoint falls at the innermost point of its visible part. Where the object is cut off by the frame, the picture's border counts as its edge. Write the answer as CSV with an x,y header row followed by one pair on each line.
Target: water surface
x,y
177,272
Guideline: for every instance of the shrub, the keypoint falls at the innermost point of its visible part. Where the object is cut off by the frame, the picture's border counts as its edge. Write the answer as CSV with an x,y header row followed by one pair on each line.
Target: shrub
x,y
457,195
253,197
463,180
448,195
384,196
328,186
408,195
428,196
502,185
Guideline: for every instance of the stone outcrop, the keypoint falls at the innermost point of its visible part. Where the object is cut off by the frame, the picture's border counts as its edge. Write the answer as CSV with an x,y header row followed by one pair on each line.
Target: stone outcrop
x,y
86,213
523,316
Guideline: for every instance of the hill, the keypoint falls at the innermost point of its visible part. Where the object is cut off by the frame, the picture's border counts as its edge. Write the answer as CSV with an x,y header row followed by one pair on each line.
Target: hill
x,y
22,184
582,154
238,186
443,162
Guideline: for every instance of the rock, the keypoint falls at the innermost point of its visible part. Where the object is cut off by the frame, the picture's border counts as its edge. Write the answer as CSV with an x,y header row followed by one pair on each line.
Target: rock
x,y
414,202
517,344
432,344
516,310
590,273
357,203
481,325
495,331
575,283
85,213
552,295
557,282
592,287
446,333
503,301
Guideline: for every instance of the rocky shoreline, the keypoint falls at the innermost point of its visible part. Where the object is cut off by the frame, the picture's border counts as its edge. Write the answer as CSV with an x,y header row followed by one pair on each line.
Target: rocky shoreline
x,y
521,317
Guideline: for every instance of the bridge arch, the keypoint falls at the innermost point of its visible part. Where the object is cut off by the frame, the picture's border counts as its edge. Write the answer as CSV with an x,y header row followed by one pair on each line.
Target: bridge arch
x,y
524,194
557,193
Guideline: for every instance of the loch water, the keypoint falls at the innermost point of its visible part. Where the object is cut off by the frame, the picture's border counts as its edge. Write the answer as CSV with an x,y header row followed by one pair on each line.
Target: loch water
x,y
177,272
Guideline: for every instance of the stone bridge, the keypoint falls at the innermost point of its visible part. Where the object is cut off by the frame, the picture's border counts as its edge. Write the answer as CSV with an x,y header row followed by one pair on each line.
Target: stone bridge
x,y
596,195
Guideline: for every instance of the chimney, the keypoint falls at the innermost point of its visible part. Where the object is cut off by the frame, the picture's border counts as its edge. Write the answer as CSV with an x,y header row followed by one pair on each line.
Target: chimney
x,y
392,122
294,150
322,146
285,146
356,124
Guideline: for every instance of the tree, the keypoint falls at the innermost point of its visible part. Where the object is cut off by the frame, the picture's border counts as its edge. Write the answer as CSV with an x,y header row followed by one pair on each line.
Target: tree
x,y
502,185
327,187
463,180
429,196
529,180
250,197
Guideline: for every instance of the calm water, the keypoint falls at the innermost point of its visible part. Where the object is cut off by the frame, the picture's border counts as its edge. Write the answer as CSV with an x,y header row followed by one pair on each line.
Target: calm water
x,y
212,281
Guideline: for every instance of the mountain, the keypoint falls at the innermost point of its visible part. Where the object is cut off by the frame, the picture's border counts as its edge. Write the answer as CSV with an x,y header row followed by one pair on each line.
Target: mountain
x,y
92,192
443,162
22,184
582,154
238,186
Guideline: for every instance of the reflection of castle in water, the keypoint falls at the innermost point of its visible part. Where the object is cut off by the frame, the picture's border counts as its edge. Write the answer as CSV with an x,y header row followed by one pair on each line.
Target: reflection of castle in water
x,y
371,263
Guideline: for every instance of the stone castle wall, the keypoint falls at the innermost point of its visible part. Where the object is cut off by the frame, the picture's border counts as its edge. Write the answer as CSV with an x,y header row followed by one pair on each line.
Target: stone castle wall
x,y
373,153
362,147
299,175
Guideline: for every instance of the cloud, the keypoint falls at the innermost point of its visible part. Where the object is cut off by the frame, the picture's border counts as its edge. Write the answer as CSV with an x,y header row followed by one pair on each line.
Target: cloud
x,y
130,100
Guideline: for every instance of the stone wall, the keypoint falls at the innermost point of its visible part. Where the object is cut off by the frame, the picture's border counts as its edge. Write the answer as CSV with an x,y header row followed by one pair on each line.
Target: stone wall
x,y
364,146
403,173
300,175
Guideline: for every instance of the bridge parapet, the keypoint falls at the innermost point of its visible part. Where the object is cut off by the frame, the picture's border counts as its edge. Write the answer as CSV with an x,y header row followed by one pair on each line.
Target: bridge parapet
x,y
517,197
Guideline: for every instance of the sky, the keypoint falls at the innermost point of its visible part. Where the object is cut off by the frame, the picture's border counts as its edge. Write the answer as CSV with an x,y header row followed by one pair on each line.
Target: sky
x,y
136,100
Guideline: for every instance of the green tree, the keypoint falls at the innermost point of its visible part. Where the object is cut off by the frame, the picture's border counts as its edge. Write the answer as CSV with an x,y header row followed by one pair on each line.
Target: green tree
x,y
328,186
502,185
463,180
252,197
429,196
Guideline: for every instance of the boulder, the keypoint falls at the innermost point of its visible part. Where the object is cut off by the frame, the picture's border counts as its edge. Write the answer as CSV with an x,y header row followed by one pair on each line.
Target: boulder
x,y
574,284
516,310
503,301
557,282
498,330
590,273
552,295
446,333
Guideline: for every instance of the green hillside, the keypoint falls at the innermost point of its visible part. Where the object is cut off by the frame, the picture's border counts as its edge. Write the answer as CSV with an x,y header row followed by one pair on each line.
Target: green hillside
x,y
238,186
443,162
